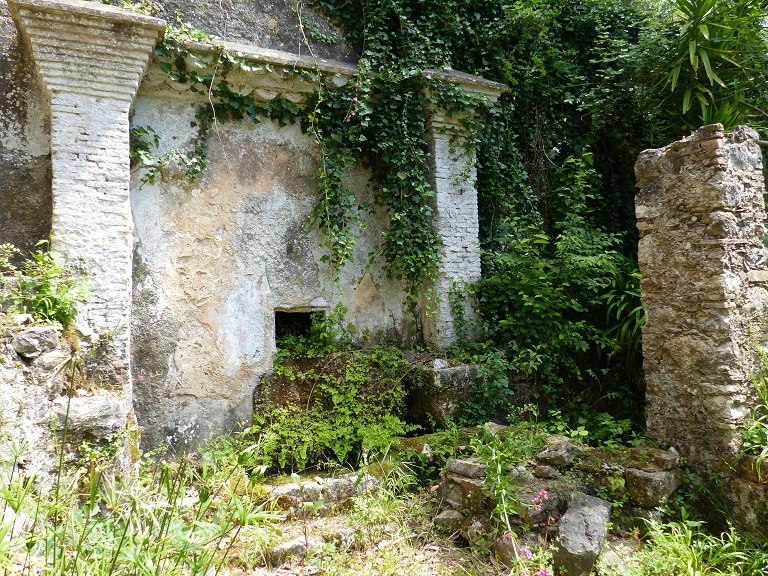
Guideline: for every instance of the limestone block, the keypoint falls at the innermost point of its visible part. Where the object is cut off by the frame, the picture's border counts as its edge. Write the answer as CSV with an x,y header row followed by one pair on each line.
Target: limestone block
x,y
449,520
297,548
476,528
438,395
582,533
651,489
559,454
91,417
467,467
35,341
463,494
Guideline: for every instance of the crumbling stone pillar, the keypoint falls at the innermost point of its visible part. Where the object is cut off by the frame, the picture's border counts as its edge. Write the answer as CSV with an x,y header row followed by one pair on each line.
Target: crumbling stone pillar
x,y
701,216
90,58
454,176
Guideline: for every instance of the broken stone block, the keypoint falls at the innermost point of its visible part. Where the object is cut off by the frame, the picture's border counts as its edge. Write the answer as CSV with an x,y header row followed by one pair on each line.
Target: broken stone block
x,y
754,470
287,496
561,453
91,417
651,489
440,395
449,520
343,538
652,459
476,528
297,548
52,360
32,342
463,494
546,472
467,467
582,533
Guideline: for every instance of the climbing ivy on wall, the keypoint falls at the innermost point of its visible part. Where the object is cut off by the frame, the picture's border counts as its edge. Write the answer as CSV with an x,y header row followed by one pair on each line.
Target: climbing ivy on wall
x,y
555,155
378,120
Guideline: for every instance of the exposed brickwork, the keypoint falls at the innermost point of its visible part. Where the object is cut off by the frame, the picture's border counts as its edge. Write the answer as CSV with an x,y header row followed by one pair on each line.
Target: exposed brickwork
x,y
701,217
90,59
454,177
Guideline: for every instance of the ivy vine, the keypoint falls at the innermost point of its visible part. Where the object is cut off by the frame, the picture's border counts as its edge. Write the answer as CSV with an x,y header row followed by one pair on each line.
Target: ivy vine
x,y
378,119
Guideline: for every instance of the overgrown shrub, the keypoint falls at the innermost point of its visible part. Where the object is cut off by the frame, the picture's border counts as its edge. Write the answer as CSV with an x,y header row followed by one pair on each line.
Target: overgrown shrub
x,y
329,409
42,286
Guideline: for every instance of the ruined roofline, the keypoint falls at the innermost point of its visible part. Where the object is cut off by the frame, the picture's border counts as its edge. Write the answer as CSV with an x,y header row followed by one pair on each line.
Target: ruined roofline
x,y
257,54
95,9
112,15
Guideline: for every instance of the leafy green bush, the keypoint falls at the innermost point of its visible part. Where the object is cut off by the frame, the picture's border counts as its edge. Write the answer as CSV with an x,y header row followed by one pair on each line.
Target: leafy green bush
x,y
685,547
713,62
540,293
42,287
330,409
755,438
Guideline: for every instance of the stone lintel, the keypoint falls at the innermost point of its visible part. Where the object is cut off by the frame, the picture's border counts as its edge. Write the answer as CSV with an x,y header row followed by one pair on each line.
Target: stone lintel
x,y
469,83
88,48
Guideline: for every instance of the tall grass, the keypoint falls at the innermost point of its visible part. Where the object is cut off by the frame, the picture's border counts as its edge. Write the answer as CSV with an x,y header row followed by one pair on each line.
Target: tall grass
x,y
173,518
686,549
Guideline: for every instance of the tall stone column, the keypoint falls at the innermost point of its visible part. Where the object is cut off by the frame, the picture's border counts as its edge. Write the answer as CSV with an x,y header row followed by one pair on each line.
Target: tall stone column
x,y
91,58
701,217
454,178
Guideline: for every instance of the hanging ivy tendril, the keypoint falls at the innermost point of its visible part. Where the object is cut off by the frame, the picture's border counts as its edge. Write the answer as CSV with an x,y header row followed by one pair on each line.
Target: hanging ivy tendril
x,y
378,119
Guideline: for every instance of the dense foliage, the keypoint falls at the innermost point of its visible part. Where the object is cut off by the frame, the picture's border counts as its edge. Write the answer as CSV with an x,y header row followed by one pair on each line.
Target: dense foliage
x,y
42,286
592,83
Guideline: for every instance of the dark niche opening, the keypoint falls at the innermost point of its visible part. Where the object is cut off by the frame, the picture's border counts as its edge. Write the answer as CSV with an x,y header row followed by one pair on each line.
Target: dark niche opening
x,y
293,324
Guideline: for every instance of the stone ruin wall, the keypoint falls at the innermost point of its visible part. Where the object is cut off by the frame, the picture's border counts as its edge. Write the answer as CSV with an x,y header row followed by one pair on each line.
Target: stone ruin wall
x,y
25,150
701,215
185,277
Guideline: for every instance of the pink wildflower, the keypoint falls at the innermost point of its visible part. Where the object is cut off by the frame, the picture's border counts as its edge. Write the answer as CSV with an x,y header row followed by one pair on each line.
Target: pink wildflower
x,y
525,553
544,572
544,495
508,538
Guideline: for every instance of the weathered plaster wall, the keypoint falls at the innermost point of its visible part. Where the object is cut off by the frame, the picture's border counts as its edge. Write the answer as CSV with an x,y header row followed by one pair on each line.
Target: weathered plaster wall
x,y
25,161
185,277
213,261
701,217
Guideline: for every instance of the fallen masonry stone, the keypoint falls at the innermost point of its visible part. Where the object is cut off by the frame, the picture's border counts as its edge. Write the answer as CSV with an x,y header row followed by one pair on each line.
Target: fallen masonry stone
x,y
91,417
463,494
651,489
496,429
332,491
297,548
561,453
546,472
582,533
343,538
449,520
32,342
52,360
652,459
468,467
476,528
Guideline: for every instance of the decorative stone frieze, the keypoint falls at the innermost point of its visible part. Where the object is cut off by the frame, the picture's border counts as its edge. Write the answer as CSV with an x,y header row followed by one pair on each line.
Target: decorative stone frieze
x,y
701,217
91,58
454,178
